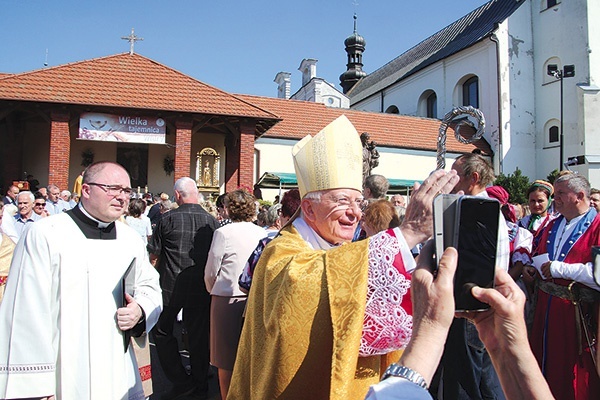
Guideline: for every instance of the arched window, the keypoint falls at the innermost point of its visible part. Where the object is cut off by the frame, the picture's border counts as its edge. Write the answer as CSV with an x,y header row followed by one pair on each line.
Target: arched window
x,y
470,92
432,105
553,134
392,110
427,106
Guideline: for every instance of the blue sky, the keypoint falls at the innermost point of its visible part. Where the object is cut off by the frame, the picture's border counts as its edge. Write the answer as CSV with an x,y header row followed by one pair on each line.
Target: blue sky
x,y
238,46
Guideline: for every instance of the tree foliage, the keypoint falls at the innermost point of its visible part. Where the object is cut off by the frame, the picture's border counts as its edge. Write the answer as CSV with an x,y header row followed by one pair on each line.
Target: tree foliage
x,y
552,176
516,185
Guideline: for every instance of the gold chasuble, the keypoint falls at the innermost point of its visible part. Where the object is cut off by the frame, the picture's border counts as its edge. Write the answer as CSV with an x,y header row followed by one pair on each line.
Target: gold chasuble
x,y
304,324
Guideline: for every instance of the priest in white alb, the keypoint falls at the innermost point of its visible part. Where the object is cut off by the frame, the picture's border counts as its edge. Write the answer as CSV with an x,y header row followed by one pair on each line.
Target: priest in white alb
x,y
66,319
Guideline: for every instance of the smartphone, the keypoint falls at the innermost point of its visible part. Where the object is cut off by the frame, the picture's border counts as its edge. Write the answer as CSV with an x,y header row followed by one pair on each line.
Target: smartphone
x,y
444,214
476,240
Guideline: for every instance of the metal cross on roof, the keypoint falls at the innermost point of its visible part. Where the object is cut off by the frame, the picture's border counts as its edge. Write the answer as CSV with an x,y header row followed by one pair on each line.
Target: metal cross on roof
x,y
131,39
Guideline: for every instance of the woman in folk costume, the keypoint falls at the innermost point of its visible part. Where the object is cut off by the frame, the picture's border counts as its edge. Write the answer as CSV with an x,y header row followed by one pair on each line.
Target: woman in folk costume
x,y
322,310
539,195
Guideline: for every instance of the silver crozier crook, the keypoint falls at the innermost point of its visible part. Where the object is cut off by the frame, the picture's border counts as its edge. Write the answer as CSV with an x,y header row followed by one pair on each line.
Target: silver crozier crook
x,y
441,145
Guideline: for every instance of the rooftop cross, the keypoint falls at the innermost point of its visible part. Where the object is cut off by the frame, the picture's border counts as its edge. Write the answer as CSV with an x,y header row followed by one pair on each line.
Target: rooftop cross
x,y
131,39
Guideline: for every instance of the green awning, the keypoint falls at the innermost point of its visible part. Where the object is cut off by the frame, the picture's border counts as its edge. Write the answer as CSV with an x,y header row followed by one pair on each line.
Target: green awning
x,y
278,180
287,180
401,186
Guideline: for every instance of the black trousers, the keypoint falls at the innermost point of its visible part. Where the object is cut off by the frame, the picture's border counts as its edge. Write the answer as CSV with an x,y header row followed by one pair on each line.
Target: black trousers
x,y
196,321
467,371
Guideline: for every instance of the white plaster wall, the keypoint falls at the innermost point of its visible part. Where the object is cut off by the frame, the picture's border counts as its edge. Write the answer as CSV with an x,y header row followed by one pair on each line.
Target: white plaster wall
x,y
443,79
589,109
371,104
593,12
562,32
408,164
528,99
276,155
319,91
517,93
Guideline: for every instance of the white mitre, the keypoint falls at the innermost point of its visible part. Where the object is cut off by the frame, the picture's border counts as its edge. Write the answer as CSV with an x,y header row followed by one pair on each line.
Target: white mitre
x,y
330,160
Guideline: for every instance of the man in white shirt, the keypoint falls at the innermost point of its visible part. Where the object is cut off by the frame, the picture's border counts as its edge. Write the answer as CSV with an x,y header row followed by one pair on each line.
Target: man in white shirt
x,y
25,215
54,204
467,370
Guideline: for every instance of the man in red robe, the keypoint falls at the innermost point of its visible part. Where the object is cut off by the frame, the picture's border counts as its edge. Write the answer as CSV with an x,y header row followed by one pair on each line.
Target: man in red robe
x,y
566,315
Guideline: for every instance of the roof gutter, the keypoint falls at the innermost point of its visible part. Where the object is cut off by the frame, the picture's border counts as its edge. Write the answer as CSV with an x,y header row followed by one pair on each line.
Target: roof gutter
x,y
494,39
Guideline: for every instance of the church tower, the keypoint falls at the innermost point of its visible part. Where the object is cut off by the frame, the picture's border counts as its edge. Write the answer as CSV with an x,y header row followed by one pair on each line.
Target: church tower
x,y
355,45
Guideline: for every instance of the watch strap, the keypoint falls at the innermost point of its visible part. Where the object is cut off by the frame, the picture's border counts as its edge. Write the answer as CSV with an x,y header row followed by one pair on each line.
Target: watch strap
x,y
406,373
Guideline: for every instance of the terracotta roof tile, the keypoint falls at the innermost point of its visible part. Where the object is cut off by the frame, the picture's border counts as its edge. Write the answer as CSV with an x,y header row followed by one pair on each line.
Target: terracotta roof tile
x,y
300,118
125,80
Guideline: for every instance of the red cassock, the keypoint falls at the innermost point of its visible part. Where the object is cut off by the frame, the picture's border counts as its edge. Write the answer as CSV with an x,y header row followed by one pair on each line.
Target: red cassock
x,y
558,338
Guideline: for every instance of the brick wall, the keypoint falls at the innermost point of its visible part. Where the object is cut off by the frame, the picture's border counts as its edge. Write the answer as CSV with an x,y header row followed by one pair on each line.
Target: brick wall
x,y
183,149
60,149
232,161
246,166
239,166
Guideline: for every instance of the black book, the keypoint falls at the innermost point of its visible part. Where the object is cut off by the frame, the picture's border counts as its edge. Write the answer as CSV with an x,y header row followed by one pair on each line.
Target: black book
x,y
127,283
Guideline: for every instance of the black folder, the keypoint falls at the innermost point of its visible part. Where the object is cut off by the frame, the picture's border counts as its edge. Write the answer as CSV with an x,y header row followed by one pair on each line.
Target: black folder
x,y
127,283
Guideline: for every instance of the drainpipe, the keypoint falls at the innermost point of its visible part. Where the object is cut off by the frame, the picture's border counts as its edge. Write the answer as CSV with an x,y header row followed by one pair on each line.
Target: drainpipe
x,y
381,105
494,39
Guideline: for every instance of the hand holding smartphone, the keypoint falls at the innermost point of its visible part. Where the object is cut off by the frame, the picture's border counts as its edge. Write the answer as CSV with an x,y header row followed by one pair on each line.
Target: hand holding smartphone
x,y
469,224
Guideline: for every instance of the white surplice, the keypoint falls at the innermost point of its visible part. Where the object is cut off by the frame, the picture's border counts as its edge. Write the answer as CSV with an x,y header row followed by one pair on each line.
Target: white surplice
x,y
58,331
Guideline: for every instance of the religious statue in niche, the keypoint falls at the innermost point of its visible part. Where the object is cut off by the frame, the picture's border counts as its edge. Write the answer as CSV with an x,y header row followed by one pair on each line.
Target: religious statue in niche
x,y
206,175
207,168
370,154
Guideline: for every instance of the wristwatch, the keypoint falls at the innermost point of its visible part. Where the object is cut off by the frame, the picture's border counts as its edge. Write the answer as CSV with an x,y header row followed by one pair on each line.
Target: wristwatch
x,y
406,373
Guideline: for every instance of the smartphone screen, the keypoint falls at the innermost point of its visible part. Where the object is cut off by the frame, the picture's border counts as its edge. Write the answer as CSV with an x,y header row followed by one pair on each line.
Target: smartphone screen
x,y
476,242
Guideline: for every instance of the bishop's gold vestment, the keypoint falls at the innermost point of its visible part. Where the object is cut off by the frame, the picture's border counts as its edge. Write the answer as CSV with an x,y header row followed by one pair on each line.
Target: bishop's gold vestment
x,y
303,324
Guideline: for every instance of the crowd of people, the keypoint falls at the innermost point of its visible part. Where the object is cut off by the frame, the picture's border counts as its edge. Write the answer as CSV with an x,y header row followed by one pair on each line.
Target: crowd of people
x,y
330,293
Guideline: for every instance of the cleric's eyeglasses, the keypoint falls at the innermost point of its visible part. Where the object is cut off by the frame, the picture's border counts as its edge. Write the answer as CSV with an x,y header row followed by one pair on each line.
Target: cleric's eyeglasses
x,y
113,190
345,201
